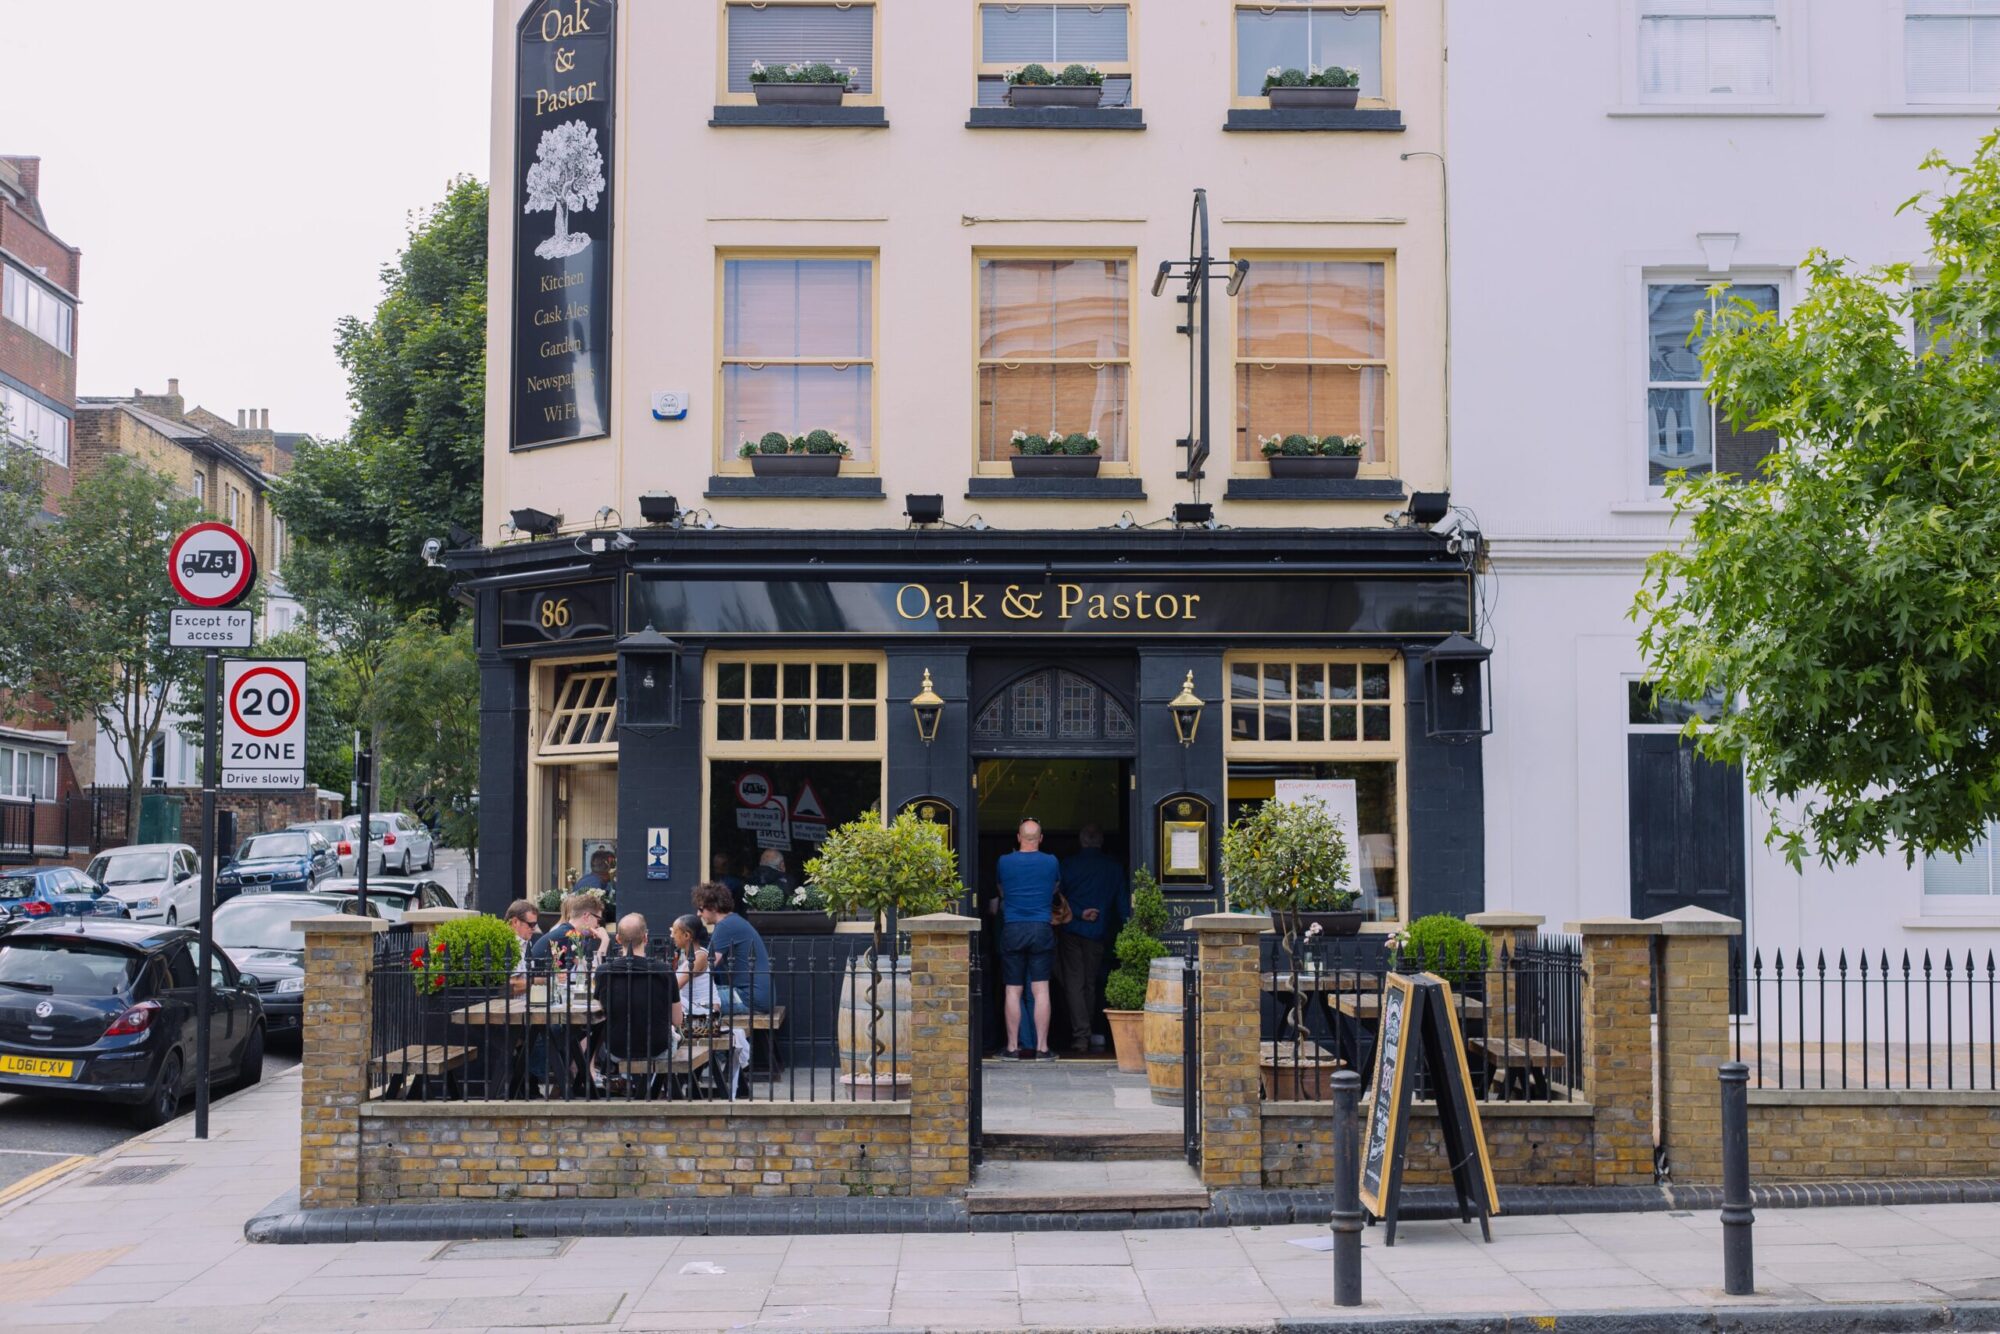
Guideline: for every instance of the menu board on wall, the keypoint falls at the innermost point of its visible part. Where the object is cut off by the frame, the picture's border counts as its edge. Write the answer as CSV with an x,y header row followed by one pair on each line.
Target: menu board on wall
x,y
565,62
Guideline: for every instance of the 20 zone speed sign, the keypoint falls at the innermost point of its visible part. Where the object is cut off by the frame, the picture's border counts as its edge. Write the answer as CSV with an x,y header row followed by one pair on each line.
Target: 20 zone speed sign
x,y
263,724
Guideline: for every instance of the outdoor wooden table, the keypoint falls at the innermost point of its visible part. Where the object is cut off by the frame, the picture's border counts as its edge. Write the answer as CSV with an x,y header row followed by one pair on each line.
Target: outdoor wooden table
x,y
1324,980
1367,1006
514,1016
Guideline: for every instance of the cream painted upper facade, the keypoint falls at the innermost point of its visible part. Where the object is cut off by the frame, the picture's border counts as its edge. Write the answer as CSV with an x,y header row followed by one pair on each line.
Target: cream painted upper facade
x,y
924,199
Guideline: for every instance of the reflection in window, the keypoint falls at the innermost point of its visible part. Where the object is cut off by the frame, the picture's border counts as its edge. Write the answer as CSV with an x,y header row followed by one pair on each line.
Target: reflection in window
x,y
1647,706
796,701
1708,50
1054,351
1964,876
1374,848
1684,431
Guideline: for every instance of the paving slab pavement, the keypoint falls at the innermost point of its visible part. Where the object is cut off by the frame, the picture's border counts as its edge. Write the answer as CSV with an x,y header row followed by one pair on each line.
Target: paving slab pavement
x,y
169,1255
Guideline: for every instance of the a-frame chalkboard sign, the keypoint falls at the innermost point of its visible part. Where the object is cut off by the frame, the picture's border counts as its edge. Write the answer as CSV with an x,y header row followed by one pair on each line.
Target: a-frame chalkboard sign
x,y
1420,1025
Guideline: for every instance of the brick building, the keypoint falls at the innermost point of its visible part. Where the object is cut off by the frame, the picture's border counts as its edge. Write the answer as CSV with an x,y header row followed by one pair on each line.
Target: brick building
x,y
42,766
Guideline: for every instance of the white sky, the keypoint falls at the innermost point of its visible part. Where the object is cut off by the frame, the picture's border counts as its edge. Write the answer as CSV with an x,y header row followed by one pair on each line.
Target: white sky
x,y
236,172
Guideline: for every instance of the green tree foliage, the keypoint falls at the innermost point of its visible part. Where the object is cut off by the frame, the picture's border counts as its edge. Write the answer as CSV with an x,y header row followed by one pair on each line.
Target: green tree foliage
x,y
30,627
424,707
112,596
329,738
1846,595
869,869
411,464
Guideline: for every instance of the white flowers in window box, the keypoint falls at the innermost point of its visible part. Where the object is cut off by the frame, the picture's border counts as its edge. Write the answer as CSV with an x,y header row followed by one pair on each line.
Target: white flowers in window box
x,y
801,84
1055,454
1333,456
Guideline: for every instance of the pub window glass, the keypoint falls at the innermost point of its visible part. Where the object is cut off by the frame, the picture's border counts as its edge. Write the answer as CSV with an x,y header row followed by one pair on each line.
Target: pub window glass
x,y
798,350
1055,347
1309,701
795,701
842,35
1374,847
1312,353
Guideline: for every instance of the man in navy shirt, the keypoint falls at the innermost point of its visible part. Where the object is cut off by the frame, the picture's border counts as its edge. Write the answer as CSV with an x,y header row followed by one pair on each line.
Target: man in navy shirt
x,y
1028,883
738,960
1094,884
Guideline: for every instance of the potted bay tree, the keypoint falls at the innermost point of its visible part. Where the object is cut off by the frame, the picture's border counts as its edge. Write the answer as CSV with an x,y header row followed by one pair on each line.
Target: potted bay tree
x,y
870,870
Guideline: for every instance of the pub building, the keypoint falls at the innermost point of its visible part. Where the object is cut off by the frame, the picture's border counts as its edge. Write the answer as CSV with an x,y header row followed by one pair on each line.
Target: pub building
x,y
696,653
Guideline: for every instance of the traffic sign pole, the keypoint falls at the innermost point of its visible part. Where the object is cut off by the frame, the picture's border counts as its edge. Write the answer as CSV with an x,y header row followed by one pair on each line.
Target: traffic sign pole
x,y
204,998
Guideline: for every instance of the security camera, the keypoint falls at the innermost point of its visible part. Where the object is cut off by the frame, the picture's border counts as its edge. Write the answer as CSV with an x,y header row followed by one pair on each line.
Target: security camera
x,y
433,548
622,542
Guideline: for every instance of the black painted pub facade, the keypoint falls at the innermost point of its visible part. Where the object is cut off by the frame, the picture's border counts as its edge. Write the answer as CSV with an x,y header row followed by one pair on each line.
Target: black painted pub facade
x,y
797,655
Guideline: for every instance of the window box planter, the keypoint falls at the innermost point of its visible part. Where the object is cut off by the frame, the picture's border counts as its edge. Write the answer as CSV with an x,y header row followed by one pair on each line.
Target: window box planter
x,y
795,465
792,922
1055,95
1055,465
798,94
1315,465
1347,923
1313,99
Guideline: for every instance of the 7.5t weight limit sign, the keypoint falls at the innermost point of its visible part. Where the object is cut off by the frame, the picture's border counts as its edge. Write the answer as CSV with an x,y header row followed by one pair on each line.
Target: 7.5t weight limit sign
x,y
263,724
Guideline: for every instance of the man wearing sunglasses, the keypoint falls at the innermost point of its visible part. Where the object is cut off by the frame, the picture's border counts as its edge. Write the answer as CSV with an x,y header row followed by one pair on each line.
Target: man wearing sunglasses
x,y
525,921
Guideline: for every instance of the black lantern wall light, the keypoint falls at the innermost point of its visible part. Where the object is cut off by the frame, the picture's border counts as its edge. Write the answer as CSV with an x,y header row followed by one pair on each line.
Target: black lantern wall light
x,y
649,682
1457,694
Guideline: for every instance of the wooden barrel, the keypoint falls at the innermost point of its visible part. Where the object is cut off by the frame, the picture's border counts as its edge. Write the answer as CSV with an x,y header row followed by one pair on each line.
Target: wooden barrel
x,y
1164,1043
892,1030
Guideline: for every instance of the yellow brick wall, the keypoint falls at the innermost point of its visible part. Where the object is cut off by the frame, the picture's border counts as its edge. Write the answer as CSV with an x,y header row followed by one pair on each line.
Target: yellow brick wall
x,y
1232,999
1694,1044
1528,1149
546,1151
1858,1136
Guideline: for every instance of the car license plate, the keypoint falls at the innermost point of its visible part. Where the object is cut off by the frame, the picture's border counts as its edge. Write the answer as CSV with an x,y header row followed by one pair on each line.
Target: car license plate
x,y
40,1066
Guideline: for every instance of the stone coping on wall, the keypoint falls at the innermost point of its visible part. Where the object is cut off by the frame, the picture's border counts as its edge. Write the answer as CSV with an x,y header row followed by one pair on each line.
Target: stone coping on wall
x,y
1488,1111
1874,1097
620,1107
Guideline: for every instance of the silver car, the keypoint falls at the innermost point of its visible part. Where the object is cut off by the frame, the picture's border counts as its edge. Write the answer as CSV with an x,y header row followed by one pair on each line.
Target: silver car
x,y
337,833
407,844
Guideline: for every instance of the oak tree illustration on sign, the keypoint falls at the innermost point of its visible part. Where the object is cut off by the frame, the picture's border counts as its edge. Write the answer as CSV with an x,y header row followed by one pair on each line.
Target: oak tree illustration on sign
x,y
568,175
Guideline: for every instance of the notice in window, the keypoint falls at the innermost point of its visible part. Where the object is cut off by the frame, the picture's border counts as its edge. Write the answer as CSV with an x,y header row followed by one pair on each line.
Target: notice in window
x,y
1184,852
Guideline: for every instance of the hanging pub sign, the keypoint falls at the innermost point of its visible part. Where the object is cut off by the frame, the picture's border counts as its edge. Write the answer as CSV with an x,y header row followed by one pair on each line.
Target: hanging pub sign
x,y
563,164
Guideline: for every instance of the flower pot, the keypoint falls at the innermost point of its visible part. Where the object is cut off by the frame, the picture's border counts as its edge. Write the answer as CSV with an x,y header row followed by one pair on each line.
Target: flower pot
x,y
1055,95
1313,99
1128,1039
1056,465
1338,466
798,94
1304,1075
790,922
795,465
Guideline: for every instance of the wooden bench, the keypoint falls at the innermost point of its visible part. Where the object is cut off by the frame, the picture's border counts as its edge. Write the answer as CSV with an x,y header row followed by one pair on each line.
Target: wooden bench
x,y
1518,1063
770,1023
400,1069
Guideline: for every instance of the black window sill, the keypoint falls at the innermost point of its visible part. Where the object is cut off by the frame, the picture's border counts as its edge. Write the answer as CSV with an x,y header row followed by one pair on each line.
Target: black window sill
x,y
1314,488
1055,118
1055,488
739,485
1364,119
801,117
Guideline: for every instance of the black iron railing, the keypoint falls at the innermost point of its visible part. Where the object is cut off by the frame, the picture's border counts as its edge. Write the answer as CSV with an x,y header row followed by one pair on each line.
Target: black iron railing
x,y
822,1025
1191,1059
975,1049
1519,1011
1867,1021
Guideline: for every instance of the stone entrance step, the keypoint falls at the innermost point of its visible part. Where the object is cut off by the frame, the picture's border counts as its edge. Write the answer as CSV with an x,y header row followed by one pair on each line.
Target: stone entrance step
x,y
1084,1187
1081,1146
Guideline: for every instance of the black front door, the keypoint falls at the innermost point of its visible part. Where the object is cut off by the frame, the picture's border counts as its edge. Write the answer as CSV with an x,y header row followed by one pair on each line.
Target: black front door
x,y
1686,827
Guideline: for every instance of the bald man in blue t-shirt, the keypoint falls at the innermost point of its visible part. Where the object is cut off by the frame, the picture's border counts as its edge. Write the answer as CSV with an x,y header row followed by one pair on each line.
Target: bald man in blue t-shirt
x,y
1029,880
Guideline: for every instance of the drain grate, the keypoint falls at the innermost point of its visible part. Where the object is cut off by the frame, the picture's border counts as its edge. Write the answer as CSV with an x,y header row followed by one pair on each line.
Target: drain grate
x,y
136,1175
505,1248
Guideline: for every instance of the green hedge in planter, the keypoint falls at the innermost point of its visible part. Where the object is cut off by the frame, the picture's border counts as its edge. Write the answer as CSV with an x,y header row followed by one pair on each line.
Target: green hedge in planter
x,y
1138,944
466,952
1449,946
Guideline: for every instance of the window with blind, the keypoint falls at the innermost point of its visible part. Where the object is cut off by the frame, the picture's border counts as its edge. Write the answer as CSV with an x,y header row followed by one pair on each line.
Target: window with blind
x,y
1684,432
798,350
32,423
1951,51
35,308
777,32
1708,50
1011,36
1308,37
1055,351
1312,352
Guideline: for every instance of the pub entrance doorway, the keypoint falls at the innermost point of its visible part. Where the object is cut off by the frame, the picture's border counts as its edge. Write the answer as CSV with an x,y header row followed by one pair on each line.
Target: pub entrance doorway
x,y
1054,745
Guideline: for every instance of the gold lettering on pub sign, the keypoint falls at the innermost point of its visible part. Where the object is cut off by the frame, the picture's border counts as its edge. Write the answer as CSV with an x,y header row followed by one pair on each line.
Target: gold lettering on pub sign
x,y
916,601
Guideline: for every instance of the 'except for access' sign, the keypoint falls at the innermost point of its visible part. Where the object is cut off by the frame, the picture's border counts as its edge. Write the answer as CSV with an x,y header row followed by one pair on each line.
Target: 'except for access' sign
x,y
263,724
208,629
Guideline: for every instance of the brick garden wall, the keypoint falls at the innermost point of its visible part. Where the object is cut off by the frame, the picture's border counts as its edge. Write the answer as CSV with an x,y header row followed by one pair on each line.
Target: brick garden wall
x,y
417,1152
1850,1135
1549,1145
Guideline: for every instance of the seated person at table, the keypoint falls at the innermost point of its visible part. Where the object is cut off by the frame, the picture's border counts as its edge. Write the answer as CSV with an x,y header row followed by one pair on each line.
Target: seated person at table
x,y
523,919
698,990
738,960
577,937
642,1002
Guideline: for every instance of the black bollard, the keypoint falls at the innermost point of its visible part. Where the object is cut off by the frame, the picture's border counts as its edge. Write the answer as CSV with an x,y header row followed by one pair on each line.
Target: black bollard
x,y
1738,1273
1347,1216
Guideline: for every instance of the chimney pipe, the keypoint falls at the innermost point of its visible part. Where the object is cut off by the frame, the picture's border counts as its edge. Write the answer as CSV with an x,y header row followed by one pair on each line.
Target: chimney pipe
x,y
264,420
173,387
239,419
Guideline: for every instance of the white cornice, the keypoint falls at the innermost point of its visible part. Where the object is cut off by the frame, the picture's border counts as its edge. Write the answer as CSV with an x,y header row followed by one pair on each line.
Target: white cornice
x,y
1574,553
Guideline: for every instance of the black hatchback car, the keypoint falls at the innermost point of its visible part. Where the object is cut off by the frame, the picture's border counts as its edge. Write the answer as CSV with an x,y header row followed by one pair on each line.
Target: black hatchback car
x,y
258,934
105,1012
